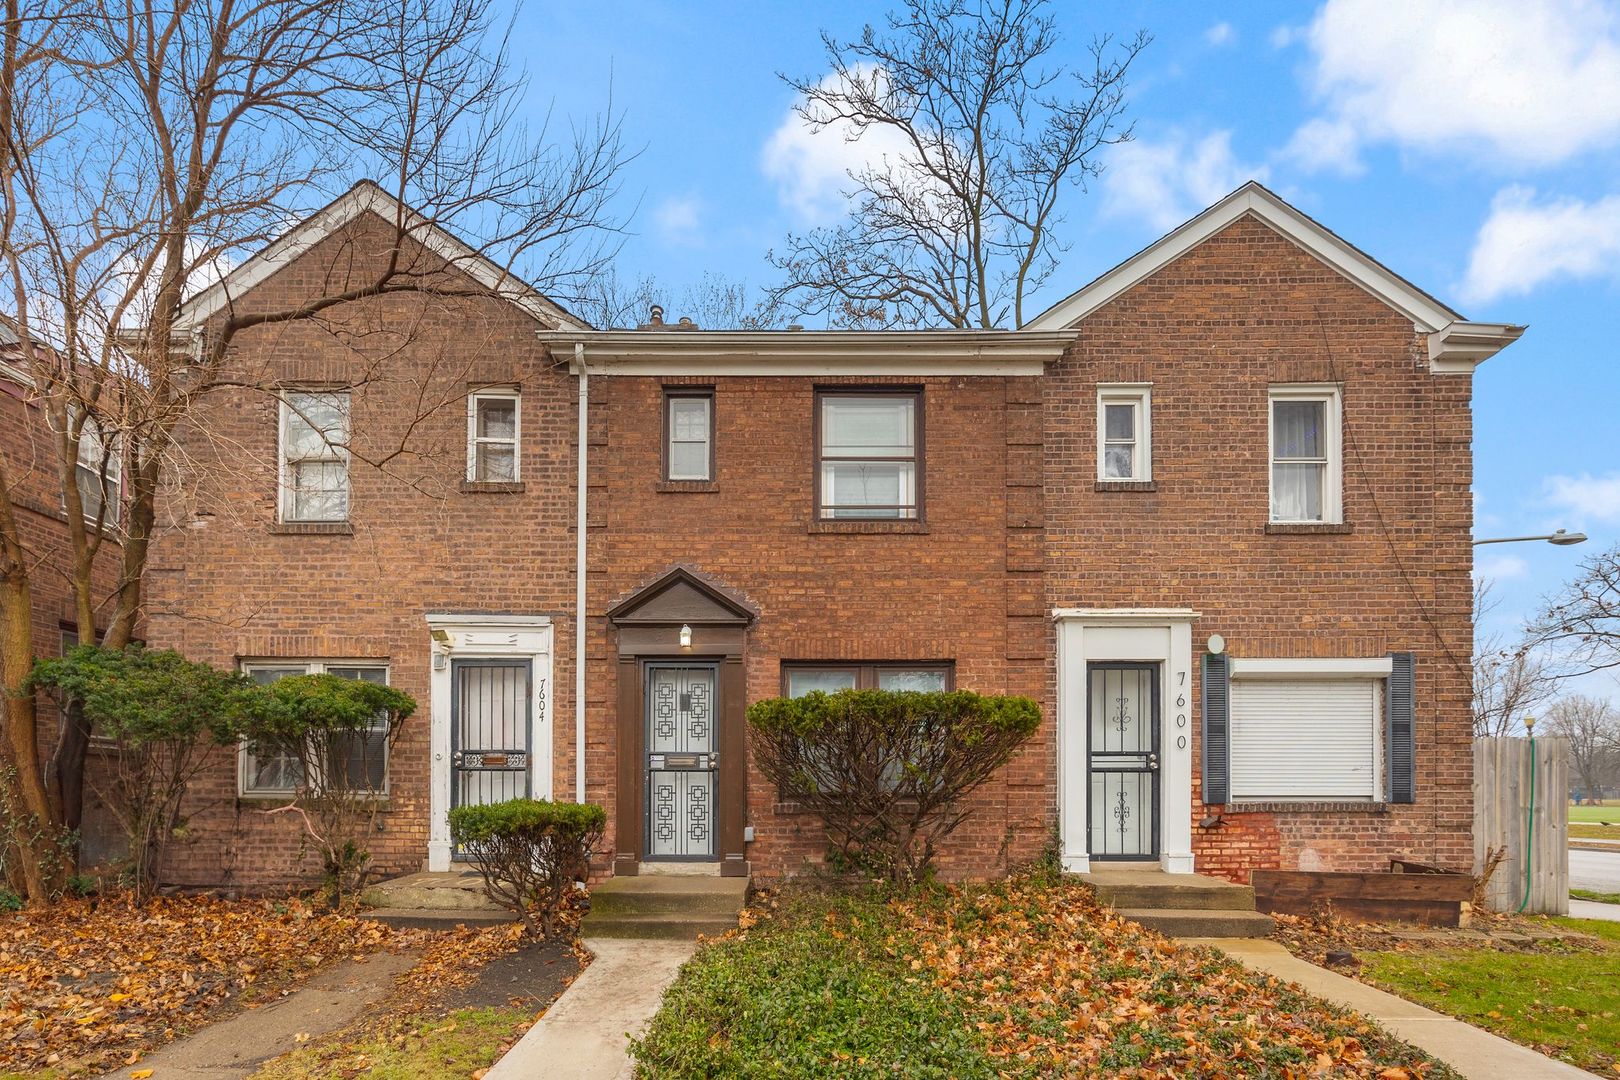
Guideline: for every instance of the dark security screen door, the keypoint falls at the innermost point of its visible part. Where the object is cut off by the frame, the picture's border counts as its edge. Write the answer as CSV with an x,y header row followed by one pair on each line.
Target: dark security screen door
x,y
681,761
490,722
1122,720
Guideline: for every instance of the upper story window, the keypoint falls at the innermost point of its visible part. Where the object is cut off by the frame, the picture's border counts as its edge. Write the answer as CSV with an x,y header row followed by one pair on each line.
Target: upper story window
x,y
688,435
284,770
494,424
801,679
100,475
1306,455
1124,433
869,455
315,455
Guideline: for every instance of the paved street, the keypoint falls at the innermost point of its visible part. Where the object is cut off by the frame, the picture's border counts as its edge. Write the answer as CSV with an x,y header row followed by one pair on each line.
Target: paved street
x,y
1595,870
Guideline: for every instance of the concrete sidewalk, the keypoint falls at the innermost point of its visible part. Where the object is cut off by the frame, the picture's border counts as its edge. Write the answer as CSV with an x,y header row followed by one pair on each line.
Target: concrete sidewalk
x,y
1591,909
1476,1054
584,1036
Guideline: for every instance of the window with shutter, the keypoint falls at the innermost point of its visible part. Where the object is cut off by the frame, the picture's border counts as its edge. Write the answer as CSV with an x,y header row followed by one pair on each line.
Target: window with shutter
x,y
1305,738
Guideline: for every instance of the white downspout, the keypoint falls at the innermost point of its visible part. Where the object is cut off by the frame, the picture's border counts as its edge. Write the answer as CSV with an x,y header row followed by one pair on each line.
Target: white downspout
x,y
579,572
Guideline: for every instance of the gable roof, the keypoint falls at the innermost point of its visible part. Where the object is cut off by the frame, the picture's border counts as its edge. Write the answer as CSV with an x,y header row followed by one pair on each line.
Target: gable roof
x,y
682,595
367,197
1253,199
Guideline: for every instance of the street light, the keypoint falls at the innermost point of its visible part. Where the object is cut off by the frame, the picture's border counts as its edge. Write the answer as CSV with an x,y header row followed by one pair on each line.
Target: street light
x,y
1561,538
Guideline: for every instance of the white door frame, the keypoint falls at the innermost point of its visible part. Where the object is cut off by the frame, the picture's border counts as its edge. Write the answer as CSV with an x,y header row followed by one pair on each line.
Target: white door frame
x,y
484,637
1162,635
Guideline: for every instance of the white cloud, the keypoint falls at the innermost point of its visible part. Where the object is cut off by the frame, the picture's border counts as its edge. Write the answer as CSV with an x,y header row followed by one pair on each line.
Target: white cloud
x,y
1325,145
1528,82
1167,181
1525,243
1500,567
811,163
1586,497
1220,34
678,219
1284,36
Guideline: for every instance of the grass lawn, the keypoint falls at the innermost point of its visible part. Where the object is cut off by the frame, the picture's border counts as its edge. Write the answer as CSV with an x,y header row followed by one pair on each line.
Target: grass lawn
x,y
1564,1003
1595,813
1594,832
1596,897
1023,978
457,1044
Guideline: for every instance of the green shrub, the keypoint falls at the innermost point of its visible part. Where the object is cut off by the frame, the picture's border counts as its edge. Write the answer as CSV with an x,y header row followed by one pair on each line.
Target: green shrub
x,y
165,717
530,852
342,731
10,901
888,771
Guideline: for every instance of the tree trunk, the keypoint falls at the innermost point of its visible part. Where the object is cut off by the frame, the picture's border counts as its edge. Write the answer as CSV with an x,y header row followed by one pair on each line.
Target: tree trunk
x,y
27,810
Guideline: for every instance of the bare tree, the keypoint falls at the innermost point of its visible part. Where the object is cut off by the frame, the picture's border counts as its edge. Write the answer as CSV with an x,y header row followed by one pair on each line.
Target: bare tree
x,y
144,149
1509,680
715,302
1592,727
986,130
1581,624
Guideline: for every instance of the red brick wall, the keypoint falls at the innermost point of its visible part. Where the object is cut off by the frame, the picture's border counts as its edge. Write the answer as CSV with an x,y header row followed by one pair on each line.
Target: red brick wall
x,y
1211,332
233,586
966,590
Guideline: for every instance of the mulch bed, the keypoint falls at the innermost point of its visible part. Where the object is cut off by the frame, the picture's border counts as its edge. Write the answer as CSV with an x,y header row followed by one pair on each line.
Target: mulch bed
x,y
1325,940
529,978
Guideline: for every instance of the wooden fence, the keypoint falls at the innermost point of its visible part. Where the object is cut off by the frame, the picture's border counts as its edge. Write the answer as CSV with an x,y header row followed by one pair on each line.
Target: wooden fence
x,y
1501,806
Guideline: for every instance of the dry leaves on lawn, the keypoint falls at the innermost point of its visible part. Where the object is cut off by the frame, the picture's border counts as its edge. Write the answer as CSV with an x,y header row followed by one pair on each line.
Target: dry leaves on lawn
x,y
88,985
1058,985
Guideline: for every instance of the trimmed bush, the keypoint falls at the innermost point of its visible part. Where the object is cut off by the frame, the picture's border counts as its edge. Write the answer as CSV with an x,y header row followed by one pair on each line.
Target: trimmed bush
x,y
888,771
530,852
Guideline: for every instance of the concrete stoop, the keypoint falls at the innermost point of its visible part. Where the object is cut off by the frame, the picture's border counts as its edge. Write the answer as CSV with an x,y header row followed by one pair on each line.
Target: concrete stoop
x,y
673,908
435,901
1180,905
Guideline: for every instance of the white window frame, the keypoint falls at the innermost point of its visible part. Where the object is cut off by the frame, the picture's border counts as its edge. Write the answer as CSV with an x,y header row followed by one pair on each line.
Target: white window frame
x,y
1374,670
111,470
244,756
284,500
1140,397
1333,473
474,440
672,395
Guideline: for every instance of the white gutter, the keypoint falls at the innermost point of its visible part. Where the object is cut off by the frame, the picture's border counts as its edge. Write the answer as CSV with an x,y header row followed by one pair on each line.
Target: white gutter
x,y
579,572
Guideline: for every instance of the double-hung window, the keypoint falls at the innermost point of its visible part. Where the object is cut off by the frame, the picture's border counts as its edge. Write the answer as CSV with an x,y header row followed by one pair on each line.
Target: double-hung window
x,y
1306,457
99,474
494,427
315,455
1124,427
283,771
801,679
869,447
688,434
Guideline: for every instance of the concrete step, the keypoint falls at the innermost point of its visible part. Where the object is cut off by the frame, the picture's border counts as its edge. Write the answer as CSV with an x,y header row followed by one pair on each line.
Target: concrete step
x,y
453,891
670,927
1181,923
1155,889
438,918
647,895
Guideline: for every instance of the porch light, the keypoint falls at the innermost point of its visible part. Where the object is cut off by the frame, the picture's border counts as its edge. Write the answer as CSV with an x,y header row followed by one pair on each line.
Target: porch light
x,y
686,636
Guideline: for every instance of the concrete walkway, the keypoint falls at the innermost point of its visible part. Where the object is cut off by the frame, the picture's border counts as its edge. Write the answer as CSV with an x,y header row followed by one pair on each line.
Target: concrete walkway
x,y
1476,1054
235,1048
1591,909
584,1036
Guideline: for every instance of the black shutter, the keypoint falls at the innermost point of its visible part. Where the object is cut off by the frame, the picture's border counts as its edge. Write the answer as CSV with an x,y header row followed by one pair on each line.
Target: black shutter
x,y
1401,707
1215,748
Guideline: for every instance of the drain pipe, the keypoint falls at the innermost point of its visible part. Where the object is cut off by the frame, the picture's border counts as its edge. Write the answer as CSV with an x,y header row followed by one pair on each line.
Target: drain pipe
x,y
579,572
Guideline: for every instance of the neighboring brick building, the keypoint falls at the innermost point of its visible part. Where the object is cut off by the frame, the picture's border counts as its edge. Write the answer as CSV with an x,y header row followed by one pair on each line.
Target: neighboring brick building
x,y
1249,430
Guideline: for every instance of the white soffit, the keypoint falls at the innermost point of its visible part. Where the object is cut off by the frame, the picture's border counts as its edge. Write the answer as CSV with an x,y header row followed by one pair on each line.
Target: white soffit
x,y
367,197
1427,313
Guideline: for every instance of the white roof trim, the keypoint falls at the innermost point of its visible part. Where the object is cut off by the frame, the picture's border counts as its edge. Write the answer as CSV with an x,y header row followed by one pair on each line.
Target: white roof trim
x,y
1311,667
1462,346
1427,313
813,352
365,197
1126,616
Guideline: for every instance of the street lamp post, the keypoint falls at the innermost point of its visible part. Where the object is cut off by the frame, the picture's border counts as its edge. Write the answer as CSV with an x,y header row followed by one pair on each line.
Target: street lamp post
x,y
1561,538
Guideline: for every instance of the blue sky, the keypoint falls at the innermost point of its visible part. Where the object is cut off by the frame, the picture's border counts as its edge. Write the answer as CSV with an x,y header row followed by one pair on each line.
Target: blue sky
x,y
1472,147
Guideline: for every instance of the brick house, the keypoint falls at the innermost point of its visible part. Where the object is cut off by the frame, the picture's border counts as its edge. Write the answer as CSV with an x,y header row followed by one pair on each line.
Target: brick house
x,y
1212,511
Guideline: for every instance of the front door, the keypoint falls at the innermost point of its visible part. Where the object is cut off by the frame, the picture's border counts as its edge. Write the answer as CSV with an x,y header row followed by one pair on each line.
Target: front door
x,y
682,764
1122,727
490,723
